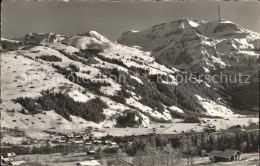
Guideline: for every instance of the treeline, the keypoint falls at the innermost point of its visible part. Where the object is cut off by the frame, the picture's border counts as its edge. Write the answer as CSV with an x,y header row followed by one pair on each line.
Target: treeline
x,y
10,46
50,58
111,60
65,106
43,149
121,96
84,57
87,83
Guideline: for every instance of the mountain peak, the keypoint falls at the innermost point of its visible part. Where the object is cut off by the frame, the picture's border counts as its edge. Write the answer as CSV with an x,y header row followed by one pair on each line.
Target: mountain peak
x,y
94,34
43,37
200,46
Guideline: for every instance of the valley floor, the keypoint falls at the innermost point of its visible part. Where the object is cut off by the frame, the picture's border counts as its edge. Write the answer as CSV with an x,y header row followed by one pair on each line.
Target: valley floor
x,y
160,128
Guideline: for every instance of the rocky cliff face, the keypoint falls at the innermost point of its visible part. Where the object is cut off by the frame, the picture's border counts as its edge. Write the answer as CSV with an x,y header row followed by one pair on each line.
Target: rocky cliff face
x,y
204,47
36,38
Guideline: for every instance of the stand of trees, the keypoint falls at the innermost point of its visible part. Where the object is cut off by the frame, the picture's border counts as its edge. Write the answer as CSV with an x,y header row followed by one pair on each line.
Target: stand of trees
x,y
109,60
64,105
84,57
129,119
50,58
243,141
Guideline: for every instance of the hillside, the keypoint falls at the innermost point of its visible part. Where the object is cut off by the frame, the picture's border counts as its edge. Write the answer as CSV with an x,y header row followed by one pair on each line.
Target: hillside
x,y
69,82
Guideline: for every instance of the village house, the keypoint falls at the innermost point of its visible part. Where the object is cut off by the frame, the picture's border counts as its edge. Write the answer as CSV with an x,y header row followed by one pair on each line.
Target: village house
x,y
112,144
78,142
97,142
70,135
88,143
222,156
57,136
88,163
91,152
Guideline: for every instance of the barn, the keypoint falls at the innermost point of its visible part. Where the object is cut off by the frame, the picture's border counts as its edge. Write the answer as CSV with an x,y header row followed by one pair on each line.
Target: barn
x,y
223,156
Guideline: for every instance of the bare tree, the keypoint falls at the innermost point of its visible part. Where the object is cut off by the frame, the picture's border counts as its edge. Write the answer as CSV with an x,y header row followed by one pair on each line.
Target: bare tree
x,y
152,156
121,156
140,158
172,156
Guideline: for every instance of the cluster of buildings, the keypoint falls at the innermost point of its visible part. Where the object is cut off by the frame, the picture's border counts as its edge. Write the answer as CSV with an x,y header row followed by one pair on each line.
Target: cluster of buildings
x,y
79,138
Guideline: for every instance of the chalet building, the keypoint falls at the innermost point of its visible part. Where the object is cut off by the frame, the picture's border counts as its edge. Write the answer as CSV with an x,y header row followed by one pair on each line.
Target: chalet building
x,y
91,152
223,156
112,144
88,163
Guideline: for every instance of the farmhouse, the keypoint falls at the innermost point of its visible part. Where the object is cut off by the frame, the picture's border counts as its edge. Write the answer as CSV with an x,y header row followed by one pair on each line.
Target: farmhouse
x,y
227,155
88,163
91,152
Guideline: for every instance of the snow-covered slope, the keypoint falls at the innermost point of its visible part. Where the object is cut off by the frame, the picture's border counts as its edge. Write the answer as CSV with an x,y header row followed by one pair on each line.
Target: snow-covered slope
x,y
91,70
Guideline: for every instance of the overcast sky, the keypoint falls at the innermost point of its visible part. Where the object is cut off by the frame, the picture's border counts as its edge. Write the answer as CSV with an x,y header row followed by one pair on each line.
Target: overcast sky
x,y
112,18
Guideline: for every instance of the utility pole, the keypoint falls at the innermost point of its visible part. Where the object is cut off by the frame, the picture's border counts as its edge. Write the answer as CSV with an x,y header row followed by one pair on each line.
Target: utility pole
x,y
218,14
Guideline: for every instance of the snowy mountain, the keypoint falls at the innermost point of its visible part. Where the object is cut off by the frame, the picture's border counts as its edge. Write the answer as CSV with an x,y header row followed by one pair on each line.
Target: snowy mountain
x,y
198,45
69,82
204,47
